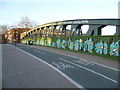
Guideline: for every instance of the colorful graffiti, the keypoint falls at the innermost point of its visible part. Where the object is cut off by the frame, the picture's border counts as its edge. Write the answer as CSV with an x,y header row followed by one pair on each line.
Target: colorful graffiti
x,y
114,48
101,48
48,41
77,45
58,43
63,44
88,45
70,44
42,41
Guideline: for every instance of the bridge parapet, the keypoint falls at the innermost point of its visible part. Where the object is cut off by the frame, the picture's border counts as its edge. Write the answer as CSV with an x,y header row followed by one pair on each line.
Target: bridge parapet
x,y
107,46
95,27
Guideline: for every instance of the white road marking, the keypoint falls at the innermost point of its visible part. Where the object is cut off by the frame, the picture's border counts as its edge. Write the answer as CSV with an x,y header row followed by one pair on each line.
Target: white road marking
x,y
84,62
64,75
82,59
63,66
90,61
89,70
39,52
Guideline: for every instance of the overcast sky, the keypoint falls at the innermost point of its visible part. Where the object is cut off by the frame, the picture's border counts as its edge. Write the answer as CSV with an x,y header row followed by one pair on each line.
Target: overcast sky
x,y
45,11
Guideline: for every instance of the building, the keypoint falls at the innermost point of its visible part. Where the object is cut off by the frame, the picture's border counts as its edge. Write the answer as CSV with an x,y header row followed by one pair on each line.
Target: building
x,y
2,38
14,34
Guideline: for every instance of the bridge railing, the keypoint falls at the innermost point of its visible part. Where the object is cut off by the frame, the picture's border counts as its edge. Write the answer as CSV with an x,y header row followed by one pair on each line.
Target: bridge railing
x,y
107,46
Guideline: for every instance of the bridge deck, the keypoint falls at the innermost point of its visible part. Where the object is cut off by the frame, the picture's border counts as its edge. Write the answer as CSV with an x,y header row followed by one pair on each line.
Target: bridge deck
x,y
21,70
94,58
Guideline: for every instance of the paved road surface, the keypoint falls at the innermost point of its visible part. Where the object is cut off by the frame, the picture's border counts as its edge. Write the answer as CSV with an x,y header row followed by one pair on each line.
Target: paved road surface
x,y
85,73
21,70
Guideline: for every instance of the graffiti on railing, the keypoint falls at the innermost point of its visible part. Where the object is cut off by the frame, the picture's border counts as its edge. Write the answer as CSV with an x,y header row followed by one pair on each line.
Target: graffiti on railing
x,y
88,45
63,44
114,48
100,47
58,43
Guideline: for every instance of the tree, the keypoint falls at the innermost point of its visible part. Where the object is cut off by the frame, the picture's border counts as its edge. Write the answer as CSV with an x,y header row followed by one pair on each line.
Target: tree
x,y
3,28
26,22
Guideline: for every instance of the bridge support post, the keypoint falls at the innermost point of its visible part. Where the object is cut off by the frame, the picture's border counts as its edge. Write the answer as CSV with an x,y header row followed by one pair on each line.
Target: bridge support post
x,y
54,28
64,30
79,30
73,30
95,29
45,31
40,32
117,30
61,30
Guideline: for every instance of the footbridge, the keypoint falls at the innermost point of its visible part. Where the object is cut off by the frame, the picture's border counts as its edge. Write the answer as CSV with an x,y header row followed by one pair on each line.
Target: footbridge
x,y
95,26
56,34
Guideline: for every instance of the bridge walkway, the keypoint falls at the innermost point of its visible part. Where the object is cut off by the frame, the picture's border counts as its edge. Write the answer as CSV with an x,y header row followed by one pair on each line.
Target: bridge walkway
x,y
97,59
20,70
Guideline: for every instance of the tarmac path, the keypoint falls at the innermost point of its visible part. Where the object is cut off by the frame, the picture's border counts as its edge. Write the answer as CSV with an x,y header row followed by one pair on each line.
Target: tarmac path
x,y
21,70
85,73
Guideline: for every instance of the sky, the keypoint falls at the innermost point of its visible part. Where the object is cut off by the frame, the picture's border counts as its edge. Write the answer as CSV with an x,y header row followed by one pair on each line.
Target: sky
x,y
45,11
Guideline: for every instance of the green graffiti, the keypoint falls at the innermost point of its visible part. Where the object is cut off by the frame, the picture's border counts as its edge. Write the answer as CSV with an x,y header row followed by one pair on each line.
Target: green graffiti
x,y
63,44
53,44
101,48
49,41
78,45
70,44
38,42
58,43
42,41
88,45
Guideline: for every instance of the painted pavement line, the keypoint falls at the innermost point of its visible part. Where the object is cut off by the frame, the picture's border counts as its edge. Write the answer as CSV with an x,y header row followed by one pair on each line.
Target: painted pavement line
x,y
39,51
89,70
64,75
90,61
81,59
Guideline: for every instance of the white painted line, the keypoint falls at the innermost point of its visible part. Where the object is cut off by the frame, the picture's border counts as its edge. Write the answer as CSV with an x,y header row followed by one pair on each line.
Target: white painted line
x,y
90,70
90,61
82,59
64,75
63,66
39,52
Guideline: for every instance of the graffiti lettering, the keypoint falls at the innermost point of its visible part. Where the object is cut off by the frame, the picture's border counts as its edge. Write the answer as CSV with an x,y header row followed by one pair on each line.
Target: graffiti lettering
x,y
87,45
114,48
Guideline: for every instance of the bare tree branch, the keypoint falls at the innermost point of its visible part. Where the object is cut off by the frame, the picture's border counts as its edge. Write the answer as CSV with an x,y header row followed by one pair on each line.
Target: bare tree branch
x,y
26,22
